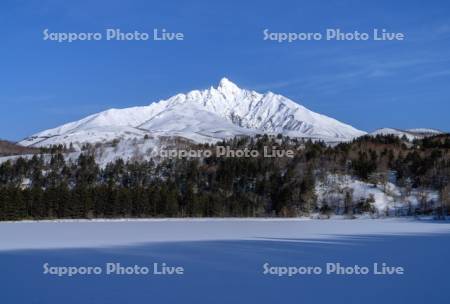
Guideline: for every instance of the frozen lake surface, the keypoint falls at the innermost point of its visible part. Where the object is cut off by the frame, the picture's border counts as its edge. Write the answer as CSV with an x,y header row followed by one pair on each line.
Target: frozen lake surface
x,y
223,260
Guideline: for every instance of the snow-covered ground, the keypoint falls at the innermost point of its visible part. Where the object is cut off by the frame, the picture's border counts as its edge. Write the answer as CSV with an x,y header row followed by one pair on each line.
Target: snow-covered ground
x,y
224,260
387,197
107,233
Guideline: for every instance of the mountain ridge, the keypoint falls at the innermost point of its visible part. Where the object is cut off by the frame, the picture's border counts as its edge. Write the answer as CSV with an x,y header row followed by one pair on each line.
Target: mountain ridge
x,y
206,115
410,134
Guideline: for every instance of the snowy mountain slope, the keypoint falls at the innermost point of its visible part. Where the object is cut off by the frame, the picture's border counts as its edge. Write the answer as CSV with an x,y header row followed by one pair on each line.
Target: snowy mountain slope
x,y
204,116
425,131
264,113
188,119
410,134
9,148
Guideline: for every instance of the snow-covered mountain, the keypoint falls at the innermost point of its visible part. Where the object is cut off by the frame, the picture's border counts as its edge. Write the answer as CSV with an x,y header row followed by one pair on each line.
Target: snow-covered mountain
x,y
410,134
202,116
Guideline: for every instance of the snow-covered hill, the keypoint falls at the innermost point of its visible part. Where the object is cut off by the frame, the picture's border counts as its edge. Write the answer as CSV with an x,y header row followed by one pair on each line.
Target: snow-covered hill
x,y
202,116
410,134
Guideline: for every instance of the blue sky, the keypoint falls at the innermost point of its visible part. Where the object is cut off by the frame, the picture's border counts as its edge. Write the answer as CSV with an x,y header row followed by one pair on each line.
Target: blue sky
x,y
368,84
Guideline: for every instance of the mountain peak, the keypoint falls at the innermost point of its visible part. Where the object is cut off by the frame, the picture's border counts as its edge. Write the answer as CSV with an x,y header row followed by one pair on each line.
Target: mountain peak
x,y
202,116
225,85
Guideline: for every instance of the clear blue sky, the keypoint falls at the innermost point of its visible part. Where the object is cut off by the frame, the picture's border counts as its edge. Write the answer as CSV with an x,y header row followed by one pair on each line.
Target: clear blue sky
x,y
368,84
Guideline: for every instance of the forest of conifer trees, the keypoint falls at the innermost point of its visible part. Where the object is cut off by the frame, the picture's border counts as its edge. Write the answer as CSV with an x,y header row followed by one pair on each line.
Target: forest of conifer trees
x,y
47,186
